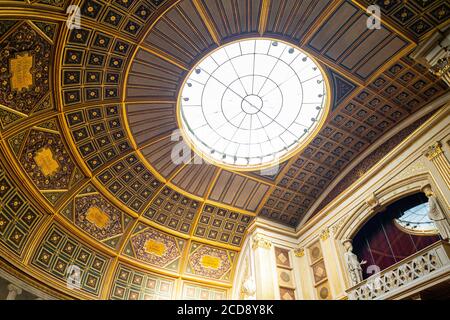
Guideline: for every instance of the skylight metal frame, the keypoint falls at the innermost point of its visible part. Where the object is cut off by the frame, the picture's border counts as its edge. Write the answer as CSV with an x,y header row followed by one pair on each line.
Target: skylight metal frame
x,y
222,157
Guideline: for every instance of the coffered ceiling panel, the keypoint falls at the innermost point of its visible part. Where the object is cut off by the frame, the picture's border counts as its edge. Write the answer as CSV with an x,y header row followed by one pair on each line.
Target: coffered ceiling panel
x,y
19,219
99,134
92,66
222,225
130,182
59,249
416,17
173,210
137,284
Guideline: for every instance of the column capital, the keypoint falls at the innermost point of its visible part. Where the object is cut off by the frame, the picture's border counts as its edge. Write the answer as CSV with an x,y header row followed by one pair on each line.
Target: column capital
x,y
434,150
324,234
299,252
260,241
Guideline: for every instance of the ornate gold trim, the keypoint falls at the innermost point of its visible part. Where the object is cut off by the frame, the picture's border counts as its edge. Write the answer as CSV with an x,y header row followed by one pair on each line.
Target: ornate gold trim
x,y
324,234
207,21
434,150
260,241
299,252
264,16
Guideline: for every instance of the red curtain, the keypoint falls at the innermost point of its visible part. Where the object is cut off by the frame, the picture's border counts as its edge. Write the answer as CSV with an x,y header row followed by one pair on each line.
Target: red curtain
x,y
382,244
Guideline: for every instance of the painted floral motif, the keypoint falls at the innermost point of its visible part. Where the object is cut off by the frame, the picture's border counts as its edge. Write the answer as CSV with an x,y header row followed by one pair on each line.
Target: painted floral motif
x,y
156,248
210,262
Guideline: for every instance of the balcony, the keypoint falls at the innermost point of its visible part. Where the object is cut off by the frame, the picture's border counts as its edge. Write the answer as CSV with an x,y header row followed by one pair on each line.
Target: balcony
x,y
422,270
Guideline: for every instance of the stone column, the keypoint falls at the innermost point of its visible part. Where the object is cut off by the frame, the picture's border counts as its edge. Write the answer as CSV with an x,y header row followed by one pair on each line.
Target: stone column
x,y
264,268
14,291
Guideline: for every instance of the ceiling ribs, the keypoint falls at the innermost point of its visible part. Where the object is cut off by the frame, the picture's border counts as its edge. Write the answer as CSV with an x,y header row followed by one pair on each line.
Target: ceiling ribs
x,y
209,24
264,17
300,23
164,55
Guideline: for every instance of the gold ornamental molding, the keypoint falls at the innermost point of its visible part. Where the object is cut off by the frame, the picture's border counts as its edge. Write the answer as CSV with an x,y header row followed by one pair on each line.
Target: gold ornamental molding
x,y
299,252
260,241
207,21
436,155
434,151
372,201
324,234
264,17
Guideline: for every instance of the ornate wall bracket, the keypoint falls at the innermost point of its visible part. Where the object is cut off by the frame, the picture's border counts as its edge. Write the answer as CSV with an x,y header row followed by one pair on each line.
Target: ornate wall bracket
x,y
372,201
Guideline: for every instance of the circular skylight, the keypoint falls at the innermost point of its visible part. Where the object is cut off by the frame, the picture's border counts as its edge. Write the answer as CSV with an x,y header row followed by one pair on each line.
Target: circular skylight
x,y
252,103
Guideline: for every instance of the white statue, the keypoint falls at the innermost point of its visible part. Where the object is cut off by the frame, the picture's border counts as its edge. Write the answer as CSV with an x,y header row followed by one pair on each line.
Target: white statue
x,y
352,262
436,214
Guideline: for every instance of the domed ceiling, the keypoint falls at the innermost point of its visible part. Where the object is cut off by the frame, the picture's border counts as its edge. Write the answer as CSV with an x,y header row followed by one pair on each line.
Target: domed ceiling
x,y
87,117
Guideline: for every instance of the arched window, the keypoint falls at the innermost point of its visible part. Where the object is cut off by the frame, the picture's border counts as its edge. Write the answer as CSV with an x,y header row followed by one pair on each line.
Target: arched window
x,y
416,221
399,231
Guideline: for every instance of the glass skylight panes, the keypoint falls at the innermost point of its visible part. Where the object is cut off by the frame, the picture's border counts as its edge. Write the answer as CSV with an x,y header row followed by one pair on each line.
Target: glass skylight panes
x,y
252,103
416,220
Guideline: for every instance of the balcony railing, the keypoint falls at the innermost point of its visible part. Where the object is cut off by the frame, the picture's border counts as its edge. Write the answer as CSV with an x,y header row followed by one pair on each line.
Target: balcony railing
x,y
428,266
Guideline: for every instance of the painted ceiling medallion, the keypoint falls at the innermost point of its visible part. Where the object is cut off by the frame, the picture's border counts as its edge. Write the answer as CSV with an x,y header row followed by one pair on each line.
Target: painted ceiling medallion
x,y
252,104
